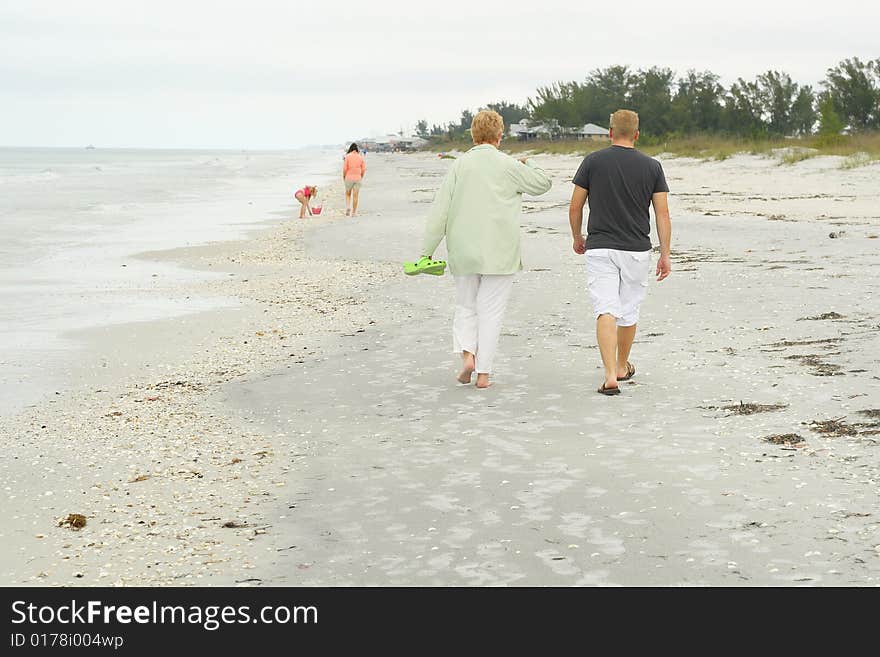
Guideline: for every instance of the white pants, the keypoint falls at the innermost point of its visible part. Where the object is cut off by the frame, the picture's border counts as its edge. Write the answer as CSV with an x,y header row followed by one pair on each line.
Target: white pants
x,y
480,300
618,281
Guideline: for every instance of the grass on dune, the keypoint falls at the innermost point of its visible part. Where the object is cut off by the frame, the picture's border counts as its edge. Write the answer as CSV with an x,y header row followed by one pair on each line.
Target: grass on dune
x,y
859,159
859,149
796,155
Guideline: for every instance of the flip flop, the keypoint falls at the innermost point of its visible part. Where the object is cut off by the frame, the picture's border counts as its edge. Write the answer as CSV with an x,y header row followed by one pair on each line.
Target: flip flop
x,y
425,266
608,391
630,372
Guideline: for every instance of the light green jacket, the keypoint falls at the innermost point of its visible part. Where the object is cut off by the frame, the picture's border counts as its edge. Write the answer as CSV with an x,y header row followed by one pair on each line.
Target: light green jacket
x,y
477,209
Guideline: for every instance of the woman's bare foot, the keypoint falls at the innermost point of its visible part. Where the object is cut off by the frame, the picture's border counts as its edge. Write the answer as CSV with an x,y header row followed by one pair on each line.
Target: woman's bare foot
x,y
467,367
483,381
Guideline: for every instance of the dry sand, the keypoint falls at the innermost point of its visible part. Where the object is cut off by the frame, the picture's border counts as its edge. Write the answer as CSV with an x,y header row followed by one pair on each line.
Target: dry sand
x,y
320,422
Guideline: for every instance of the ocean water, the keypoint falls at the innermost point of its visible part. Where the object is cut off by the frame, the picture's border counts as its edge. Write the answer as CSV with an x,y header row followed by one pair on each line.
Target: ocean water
x,y
71,220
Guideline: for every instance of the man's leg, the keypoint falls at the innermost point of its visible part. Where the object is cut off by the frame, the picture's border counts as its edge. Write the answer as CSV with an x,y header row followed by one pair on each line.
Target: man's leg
x,y
625,337
606,335
603,282
634,270
464,324
492,298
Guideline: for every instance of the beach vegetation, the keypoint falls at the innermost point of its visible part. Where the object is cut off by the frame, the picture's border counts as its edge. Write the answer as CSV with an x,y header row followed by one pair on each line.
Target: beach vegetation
x,y
795,155
859,160
853,88
694,115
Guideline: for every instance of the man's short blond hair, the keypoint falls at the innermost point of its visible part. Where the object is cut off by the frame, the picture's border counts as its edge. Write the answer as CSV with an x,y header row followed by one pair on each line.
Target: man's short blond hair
x,y
487,127
625,123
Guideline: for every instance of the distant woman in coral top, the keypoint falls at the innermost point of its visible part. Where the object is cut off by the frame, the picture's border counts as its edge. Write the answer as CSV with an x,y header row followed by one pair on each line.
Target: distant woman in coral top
x,y
353,171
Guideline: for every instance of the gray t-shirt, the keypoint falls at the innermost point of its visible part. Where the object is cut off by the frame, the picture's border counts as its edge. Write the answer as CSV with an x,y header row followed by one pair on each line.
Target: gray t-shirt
x,y
620,182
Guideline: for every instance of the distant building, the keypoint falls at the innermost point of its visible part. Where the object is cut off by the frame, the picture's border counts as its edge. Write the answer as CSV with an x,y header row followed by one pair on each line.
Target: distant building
x,y
525,132
516,129
552,130
592,131
410,143
391,143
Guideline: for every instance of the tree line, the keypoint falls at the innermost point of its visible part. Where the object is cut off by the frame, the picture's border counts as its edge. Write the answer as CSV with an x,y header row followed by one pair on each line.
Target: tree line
x,y
771,105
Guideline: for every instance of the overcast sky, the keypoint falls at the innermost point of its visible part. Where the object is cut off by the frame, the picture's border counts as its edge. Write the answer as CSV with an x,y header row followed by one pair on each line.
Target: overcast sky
x,y
266,74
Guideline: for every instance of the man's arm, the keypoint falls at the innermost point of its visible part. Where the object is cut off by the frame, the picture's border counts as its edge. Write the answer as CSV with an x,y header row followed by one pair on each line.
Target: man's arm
x,y
576,219
664,233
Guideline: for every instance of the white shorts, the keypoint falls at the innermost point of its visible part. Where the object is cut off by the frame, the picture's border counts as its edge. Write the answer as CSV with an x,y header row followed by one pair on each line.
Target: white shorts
x,y
618,281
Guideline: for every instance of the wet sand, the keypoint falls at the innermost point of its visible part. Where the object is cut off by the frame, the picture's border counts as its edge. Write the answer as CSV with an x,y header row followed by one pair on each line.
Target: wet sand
x,y
319,419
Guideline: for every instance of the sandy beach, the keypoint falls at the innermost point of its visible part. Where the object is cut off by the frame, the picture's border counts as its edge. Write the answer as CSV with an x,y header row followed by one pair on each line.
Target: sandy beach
x,y
310,432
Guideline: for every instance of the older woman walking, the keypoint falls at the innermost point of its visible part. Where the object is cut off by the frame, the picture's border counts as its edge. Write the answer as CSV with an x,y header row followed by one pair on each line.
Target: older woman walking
x,y
477,210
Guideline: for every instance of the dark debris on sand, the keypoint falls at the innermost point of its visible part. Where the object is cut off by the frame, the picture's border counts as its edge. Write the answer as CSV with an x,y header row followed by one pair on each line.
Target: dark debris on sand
x,y
820,367
744,408
784,439
687,257
835,427
871,428
797,343
831,315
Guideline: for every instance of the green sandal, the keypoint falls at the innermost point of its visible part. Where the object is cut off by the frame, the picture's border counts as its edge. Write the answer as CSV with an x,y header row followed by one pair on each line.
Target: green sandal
x,y
425,266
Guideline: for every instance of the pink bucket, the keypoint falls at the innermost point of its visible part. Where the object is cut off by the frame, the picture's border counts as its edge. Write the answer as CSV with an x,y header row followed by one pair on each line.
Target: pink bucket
x,y
317,209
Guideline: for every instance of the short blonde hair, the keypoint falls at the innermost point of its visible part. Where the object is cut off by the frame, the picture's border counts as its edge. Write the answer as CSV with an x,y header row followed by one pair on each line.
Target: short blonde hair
x,y
487,127
625,123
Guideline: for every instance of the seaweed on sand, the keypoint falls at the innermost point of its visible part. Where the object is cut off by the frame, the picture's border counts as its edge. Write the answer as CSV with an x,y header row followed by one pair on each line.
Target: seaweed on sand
x,y
744,408
831,315
834,427
797,343
784,439
820,367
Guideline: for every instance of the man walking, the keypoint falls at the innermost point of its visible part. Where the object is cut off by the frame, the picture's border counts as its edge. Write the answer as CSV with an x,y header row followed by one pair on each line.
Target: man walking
x,y
621,183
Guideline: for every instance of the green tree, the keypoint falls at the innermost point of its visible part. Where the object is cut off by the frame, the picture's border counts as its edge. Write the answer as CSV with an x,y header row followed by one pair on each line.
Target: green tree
x,y
744,109
609,90
771,104
854,88
803,111
574,104
465,122
778,93
556,101
830,123
650,95
422,129
697,104
510,112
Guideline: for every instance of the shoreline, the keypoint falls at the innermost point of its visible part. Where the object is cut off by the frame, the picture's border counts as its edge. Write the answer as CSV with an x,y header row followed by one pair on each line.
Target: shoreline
x,y
155,384
258,415
75,230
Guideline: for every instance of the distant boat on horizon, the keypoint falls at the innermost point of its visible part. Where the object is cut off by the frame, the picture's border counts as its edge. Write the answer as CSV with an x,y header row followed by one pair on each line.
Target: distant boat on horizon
x,y
90,147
